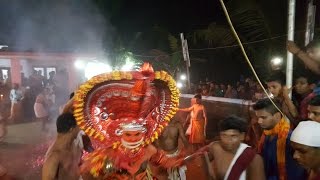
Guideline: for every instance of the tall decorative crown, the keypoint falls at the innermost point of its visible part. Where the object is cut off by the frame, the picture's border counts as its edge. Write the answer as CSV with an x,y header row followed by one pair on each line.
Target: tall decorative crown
x,y
109,103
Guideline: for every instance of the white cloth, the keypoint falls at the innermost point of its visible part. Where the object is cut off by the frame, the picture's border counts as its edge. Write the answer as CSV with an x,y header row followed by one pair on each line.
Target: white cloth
x,y
39,110
307,133
78,140
240,150
178,173
188,132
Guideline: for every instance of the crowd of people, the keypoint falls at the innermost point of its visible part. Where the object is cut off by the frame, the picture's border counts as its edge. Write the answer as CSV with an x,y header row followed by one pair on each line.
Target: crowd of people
x,y
283,152
246,89
287,147
36,98
134,134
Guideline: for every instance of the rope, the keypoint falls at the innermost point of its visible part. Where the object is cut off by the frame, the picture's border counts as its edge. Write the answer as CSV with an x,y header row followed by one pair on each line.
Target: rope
x,y
245,54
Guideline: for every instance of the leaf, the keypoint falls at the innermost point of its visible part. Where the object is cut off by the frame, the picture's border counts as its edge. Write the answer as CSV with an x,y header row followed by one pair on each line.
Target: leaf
x,y
173,42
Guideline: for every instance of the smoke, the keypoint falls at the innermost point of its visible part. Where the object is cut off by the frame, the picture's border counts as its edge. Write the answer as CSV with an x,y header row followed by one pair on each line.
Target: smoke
x,y
54,26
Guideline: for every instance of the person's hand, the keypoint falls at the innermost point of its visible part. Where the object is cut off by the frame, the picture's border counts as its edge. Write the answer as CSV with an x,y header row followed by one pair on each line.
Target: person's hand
x,y
286,91
292,47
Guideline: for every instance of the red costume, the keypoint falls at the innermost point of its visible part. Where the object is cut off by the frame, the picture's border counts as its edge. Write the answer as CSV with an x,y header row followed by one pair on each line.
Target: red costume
x,y
124,112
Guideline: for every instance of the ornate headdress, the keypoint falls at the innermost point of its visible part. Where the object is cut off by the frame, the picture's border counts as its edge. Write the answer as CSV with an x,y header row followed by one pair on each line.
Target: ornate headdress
x,y
110,103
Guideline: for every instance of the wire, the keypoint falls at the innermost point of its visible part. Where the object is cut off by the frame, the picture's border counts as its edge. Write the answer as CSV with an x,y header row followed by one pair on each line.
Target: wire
x,y
245,54
237,45
221,47
213,48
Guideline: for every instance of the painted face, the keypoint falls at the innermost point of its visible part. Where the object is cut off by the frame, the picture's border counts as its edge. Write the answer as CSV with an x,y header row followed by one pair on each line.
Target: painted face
x,y
301,86
132,139
231,139
266,120
275,88
308,157
314,113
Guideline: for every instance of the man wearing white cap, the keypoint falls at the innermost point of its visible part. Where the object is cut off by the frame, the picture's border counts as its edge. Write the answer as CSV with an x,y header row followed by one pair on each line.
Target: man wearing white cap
x,y
305,140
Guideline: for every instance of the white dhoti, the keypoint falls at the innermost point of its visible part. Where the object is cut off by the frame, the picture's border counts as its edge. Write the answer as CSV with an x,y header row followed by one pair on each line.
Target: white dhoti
x,y
177,173
40,110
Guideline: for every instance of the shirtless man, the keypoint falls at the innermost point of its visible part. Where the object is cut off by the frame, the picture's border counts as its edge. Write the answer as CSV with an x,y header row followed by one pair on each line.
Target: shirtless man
x,y
233,159
63,157
169,141
198,121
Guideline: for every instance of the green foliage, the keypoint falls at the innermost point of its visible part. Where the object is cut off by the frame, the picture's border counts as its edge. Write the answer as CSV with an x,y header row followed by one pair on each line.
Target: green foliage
x,y
173,42
214,35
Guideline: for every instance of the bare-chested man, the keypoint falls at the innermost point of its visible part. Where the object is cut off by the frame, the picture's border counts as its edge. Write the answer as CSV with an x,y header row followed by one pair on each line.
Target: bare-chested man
x,y
169,142
233,159
63,157
198,121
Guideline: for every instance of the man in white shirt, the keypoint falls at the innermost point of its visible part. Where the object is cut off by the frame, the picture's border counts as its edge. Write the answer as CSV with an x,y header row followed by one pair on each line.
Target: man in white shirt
x,y
16,96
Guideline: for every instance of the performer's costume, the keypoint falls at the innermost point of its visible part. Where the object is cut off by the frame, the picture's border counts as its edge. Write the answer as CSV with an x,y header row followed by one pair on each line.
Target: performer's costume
x,y
274,147
113,108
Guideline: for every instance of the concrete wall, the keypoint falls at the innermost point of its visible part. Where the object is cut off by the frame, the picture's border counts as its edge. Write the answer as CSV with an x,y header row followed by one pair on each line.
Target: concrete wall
x,y
217,109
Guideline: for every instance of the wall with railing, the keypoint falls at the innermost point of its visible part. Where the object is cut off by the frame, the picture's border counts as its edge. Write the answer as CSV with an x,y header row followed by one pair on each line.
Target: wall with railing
x,y
217,109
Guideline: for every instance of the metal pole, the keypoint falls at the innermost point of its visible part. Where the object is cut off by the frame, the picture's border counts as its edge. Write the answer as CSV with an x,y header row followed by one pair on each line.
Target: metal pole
x,y
311,10
291,19
186,58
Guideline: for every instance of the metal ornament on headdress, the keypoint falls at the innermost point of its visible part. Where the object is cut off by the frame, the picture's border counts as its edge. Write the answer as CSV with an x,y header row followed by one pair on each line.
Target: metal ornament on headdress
x,y
134,126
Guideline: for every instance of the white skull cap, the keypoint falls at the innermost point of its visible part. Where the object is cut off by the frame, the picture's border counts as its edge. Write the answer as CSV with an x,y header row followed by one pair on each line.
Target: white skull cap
x,y
307,133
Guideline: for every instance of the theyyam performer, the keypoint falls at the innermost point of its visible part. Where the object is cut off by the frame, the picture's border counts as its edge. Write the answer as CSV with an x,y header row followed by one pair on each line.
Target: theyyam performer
x,y
123,113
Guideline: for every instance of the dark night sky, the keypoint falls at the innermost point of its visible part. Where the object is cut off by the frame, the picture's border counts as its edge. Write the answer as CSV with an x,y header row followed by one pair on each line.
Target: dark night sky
x,y
79,24
82,26
177,15
63,25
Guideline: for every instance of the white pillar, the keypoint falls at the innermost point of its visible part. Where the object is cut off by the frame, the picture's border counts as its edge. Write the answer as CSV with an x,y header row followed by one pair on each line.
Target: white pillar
x,y
291,19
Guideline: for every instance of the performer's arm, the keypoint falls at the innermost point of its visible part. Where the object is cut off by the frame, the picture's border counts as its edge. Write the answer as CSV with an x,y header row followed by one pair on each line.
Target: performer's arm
x,y
304,57
256,169
50,167
160,159
207,149
186,109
